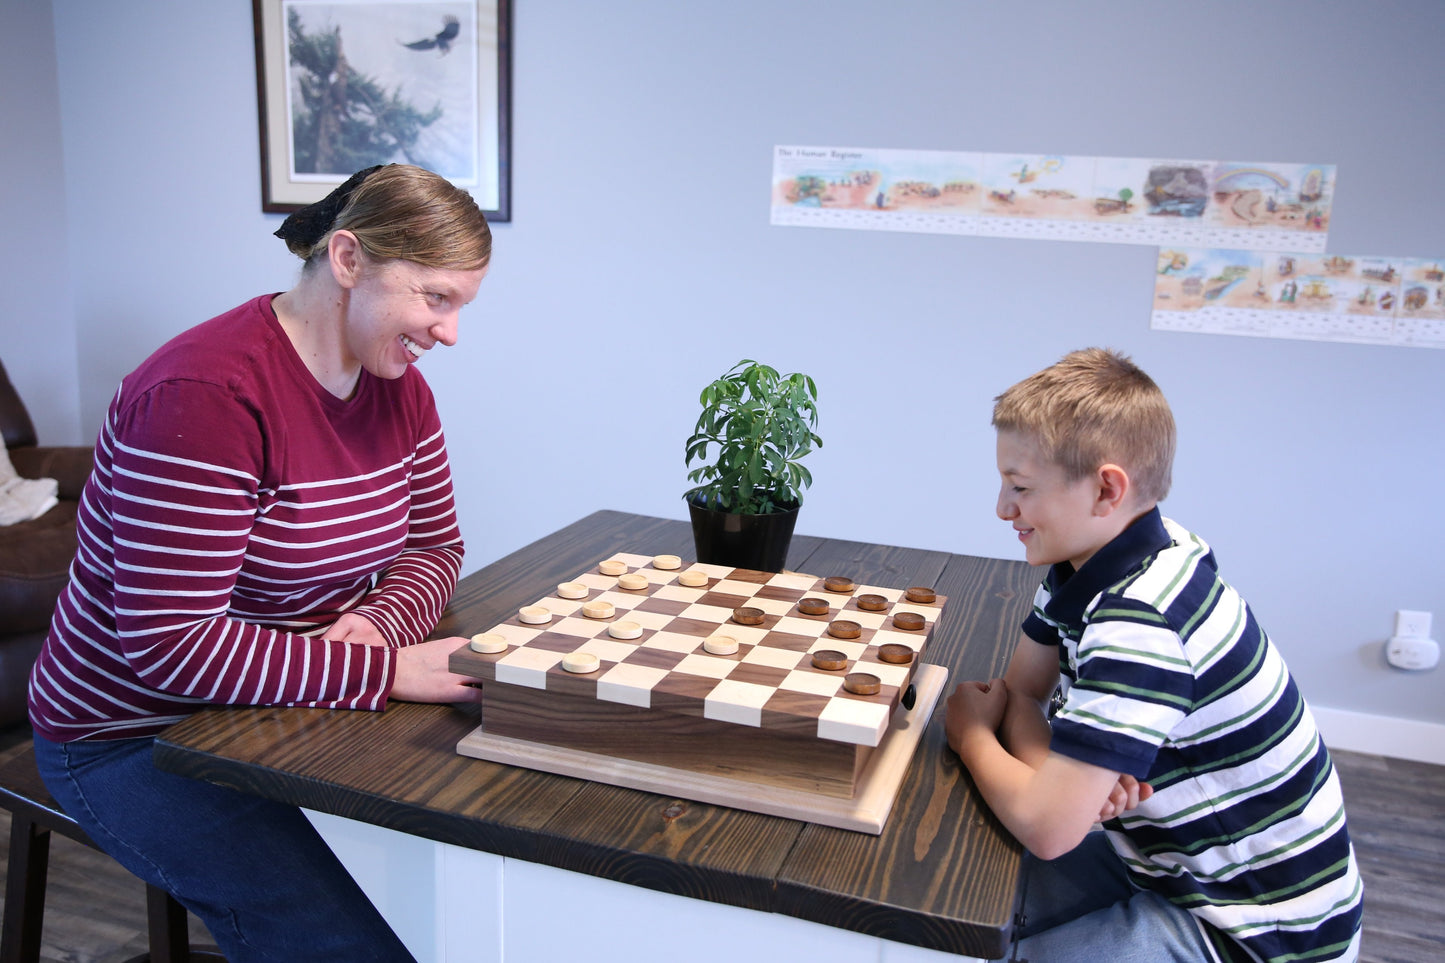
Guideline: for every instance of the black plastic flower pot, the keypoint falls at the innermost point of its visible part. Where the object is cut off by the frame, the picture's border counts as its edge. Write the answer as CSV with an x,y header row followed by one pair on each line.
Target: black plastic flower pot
x,y
758,542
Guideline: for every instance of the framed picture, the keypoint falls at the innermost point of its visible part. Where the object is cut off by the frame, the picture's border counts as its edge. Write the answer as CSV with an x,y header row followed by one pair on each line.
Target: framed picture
x,y
346,84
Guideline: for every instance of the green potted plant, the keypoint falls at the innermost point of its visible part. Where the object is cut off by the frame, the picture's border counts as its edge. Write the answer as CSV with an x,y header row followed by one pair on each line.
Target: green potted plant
x,y
746,498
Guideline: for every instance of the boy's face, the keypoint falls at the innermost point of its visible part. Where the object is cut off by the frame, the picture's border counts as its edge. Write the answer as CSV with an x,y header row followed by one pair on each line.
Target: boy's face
x,y
1055,518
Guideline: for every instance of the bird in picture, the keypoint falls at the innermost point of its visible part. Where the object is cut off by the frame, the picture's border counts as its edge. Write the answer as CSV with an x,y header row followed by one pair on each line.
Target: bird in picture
x,y
442,41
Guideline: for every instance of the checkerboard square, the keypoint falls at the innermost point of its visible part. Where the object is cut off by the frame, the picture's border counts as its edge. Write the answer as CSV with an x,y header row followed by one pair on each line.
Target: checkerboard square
x,y
852,649
561,607
777,658
582,628
801,627
868,620
709,666
608,649
629,684
742,590
654,621
815,683
849,720
799,583
527,667
517,634
596,582
679,593
758,674
708,614
778,607
673,642
738,702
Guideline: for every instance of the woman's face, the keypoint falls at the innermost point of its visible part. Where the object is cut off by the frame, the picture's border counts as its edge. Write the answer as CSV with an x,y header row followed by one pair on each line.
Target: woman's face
x,y
398,310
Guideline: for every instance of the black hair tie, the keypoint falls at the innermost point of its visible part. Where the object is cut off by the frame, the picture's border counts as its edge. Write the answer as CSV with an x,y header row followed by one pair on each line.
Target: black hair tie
x,y
302,229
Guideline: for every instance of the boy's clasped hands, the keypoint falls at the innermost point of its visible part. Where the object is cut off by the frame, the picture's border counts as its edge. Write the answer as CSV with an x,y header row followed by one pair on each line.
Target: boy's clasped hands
x,y
978,706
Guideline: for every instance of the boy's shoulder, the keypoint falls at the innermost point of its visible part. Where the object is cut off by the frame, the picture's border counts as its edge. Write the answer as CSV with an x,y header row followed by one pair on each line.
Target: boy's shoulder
x,y
1182,567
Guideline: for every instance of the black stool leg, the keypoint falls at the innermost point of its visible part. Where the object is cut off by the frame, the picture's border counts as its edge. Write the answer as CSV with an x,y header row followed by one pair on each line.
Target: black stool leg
x,y
169,928
24,891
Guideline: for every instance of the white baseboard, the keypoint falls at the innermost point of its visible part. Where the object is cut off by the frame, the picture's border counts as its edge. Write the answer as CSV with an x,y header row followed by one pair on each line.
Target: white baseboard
x,y
1382,735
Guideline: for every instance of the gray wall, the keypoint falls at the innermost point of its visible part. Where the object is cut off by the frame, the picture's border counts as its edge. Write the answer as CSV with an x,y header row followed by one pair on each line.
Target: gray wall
x,y
640,264
38,321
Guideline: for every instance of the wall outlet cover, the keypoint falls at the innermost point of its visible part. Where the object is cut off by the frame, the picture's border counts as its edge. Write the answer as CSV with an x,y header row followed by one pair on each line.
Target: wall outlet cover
x,y
1413,654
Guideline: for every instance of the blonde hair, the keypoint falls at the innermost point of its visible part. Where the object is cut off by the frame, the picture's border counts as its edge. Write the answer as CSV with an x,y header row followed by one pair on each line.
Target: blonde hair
x,y
1093,407
410,214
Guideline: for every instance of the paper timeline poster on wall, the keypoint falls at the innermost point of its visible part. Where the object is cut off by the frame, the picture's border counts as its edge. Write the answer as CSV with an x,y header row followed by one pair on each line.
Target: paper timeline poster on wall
x,y
1371,300
1107,199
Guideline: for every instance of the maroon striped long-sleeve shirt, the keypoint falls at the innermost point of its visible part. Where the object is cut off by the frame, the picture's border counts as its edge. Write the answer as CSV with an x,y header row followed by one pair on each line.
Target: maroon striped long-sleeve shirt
x,y
235,511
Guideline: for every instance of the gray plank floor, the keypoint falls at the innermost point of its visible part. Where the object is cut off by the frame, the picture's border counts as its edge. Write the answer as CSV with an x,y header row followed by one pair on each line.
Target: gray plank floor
x,y
95,911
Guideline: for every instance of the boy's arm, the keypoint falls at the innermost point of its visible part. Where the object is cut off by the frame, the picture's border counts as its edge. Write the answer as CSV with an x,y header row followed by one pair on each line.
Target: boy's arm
x,y
1049,808
1032,677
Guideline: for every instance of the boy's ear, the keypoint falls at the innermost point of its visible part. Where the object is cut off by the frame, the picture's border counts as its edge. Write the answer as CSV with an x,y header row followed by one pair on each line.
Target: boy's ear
x,y
1113,489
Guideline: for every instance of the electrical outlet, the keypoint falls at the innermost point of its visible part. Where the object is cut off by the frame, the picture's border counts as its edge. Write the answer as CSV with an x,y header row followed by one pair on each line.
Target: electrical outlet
x,y
1412,625
1413,654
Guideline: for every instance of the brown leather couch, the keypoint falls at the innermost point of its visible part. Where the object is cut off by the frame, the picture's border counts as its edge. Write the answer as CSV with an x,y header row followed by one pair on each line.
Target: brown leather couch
x,y
35,556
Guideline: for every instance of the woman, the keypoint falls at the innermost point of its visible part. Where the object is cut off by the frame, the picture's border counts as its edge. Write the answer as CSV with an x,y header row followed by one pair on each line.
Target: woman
x,y
269,522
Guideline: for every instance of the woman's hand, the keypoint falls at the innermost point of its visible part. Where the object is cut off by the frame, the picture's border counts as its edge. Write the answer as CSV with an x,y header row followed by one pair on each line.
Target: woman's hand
x,y
422,674
355,628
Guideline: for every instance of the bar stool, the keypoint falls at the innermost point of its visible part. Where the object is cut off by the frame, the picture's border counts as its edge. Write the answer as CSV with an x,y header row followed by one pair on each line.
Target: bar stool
x,y
34,815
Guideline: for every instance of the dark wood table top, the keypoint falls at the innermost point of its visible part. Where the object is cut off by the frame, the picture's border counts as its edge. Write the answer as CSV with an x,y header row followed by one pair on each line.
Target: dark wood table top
x,y
943,874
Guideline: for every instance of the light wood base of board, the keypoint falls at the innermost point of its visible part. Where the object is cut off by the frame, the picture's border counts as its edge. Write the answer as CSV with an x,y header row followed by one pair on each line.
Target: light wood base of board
x,y
866,811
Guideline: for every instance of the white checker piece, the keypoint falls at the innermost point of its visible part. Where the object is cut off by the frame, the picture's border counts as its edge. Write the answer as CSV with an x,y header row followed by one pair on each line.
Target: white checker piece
x,y
527,667
737,702
630,684
845,720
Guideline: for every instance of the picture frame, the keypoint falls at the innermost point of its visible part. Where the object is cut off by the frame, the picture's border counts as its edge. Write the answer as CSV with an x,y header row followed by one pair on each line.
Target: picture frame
x,y
426,82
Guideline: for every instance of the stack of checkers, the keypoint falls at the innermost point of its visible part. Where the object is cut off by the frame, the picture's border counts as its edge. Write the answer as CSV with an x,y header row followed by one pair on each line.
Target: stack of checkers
x,y
794,653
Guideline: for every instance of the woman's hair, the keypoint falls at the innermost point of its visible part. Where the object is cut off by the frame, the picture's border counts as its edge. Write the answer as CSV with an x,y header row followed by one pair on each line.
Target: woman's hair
x,y
1094,407
397,212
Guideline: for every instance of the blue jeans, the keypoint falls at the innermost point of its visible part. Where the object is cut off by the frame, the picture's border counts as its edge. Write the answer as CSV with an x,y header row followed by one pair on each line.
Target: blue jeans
x,y
1081,907
255,871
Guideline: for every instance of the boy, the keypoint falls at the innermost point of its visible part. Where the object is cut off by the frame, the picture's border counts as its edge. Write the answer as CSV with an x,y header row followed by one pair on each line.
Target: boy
x,y
1181,728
